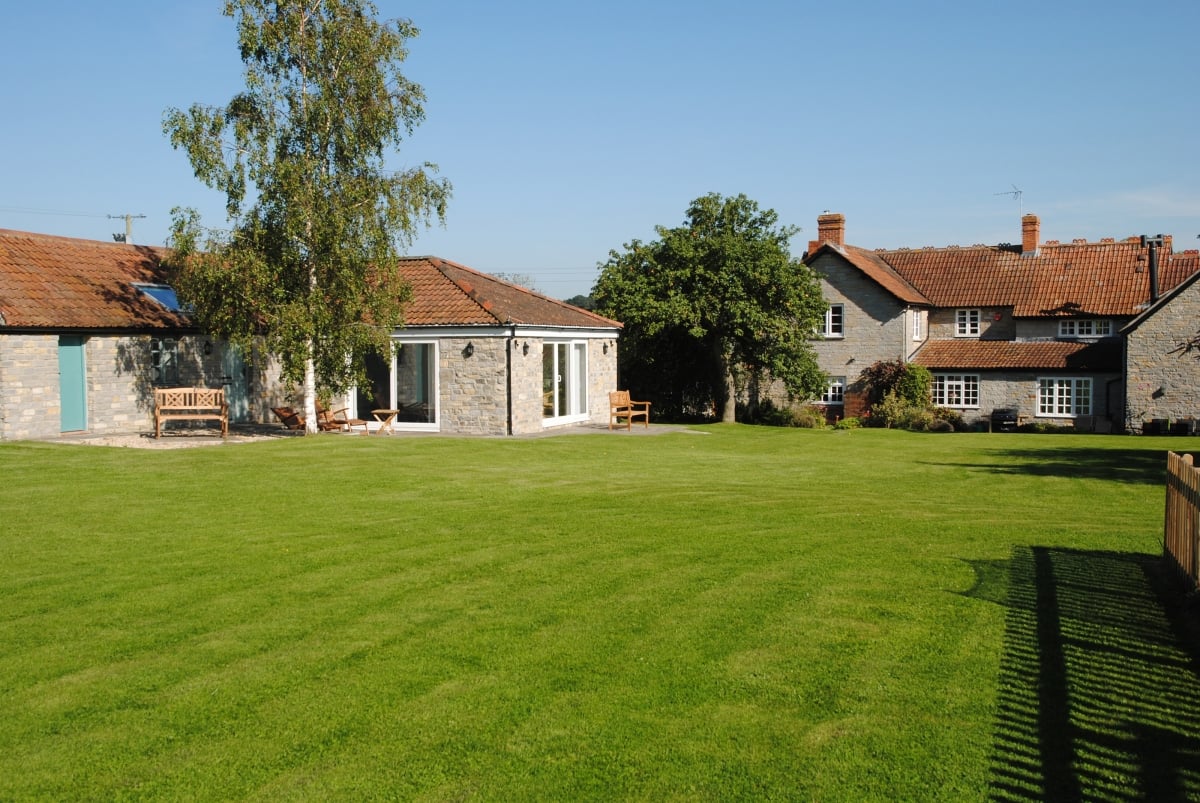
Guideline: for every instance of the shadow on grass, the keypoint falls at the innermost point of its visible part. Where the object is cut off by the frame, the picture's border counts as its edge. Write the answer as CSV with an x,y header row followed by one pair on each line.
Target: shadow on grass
x,y
1099,685
1142,466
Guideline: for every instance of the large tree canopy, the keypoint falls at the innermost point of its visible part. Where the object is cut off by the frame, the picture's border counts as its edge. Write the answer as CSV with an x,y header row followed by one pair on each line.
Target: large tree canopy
x,y
317,214
718,295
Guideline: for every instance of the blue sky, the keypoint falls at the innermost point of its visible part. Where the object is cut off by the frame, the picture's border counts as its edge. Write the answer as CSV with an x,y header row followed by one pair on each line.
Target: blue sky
x,y
570,129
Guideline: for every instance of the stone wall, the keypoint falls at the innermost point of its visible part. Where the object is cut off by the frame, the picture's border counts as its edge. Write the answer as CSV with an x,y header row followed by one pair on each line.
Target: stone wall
x,y
876,326
29,396
528,417
474,388
527,385
995,323
1162,372
602,377
119,383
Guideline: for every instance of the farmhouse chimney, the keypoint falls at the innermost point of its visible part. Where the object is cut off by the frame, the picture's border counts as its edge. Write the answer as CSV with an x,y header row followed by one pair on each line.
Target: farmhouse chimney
x,y
831,228
1031,230
1154,243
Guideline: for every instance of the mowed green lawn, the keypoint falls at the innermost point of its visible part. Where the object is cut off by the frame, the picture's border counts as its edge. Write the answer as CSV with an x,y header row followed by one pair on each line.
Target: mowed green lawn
x,y
739,614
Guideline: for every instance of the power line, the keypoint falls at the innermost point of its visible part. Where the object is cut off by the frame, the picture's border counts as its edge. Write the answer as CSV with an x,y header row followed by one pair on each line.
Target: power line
x,y
31,211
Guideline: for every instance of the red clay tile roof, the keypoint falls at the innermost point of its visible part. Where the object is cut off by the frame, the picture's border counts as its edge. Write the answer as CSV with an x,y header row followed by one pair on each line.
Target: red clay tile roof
x,y
1102,355
448,294
875,267
1106,278
49,282
62,283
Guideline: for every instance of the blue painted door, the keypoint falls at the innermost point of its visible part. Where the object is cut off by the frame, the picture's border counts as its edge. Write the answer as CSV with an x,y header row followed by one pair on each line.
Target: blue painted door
x,y
236,383
72,383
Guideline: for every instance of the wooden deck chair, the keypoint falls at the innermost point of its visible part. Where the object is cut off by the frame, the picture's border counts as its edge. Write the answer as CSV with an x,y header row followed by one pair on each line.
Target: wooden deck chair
x,y
621,406
289,417
337,420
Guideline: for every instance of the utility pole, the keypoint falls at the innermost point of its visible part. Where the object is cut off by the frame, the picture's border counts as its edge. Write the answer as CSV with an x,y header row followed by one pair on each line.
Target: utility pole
x,y
127,237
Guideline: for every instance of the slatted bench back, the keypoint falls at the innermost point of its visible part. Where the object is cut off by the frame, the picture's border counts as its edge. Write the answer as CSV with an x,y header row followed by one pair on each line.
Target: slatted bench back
x,y
189,398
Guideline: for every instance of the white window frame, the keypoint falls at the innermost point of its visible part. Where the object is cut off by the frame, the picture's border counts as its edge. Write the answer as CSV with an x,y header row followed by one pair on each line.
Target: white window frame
x,y
1064,396
835,392
835,324
916,328
575,374
435,362
956,391
967,322
351,398
1084,327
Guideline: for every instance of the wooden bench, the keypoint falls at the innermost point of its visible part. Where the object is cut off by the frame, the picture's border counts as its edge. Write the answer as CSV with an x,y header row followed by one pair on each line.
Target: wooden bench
x,y
620,406
190,404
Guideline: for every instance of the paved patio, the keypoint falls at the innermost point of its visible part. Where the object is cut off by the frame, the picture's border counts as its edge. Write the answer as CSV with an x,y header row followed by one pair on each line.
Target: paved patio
x,y
191,437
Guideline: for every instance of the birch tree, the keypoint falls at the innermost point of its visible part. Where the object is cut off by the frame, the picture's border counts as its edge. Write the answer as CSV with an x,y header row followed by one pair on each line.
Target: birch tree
x,y
317,215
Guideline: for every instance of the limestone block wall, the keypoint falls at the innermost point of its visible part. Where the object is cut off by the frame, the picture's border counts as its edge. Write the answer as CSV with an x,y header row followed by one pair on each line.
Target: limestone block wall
x,y
119,382
29,396
995,323
876,325
527,385
1162,372
1019,390
473,389
602,377
527,381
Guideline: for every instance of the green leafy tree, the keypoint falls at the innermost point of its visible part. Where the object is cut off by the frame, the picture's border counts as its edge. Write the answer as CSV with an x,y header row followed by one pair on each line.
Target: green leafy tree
x,y
713,297
317,215
581,301
910,382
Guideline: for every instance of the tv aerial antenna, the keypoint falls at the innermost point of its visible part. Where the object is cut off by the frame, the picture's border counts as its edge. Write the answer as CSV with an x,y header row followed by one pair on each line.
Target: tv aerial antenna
x,y
1016,194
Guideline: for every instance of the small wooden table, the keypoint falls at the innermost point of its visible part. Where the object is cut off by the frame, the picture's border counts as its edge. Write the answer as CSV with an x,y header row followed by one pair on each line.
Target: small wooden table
x,y
385,419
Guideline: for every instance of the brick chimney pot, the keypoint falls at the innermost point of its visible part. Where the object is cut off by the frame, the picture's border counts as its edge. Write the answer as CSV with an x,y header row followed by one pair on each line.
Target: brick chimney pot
x,y
831,228
1031,232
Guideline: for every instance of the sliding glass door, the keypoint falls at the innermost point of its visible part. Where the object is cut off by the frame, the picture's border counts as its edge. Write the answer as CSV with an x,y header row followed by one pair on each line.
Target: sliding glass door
x,y
564,382
408,383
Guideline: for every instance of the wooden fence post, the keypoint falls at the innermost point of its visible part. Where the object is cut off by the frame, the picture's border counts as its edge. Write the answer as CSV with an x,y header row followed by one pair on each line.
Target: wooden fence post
x,y
1181,524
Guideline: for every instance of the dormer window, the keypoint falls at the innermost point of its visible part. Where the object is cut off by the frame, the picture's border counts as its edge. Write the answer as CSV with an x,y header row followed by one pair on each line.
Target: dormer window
x,y
966,323
1085,327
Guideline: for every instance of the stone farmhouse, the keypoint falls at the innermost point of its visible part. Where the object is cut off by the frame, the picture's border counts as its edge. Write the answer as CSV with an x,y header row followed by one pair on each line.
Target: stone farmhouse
x,y
88,329
1099,335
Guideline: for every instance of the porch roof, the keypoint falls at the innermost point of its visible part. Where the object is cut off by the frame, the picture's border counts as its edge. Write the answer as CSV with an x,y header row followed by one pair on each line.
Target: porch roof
x,y
1100,356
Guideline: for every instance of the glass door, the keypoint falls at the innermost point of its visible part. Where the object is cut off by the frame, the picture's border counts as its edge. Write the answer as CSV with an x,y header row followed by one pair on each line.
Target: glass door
x,y
564,381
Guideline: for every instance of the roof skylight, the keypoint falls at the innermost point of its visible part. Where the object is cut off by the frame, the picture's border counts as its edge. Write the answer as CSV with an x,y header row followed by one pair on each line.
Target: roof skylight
x,y
163,294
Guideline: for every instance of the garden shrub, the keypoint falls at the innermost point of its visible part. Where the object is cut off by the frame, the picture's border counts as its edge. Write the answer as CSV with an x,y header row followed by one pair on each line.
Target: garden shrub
x,y
915,384
889,411
918,419
1046,428
952,417
810,418
769,415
